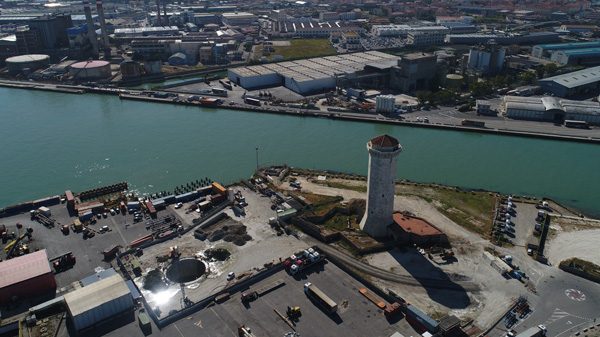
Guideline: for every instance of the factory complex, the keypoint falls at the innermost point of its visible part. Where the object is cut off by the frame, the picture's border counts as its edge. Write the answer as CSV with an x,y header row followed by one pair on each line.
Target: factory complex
x,y
578,83
551,109
308,76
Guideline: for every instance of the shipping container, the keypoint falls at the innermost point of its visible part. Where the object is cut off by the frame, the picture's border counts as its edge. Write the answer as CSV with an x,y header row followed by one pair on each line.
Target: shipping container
x,y
217,198
133,206
159,204
218,188
323,300
87,216
45,210
422,318
252,101
204,205
286,214
150,208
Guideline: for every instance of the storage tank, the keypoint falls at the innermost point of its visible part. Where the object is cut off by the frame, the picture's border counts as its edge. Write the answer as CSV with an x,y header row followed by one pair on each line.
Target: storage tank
x,y
454,81
130,69
31,62
90,70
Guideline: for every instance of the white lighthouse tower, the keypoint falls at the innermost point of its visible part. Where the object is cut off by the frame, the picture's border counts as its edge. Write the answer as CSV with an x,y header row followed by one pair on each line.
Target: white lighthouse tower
x,y
383,151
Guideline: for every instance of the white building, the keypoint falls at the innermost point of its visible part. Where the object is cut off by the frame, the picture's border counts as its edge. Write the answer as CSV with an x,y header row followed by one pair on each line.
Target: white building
x,y
98,302
306,76
385,104
551,109
383,152
238,19
427,36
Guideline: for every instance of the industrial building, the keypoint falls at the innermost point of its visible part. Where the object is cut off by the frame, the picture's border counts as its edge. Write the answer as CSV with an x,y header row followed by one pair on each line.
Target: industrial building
x,y
413,230
546,50
25,277
306,76
585,82
486,60
98,302
90,70
429,37
385,104
551,109
312,28
503,39
587,56
415,71
22,63
383,152
146,31
238,19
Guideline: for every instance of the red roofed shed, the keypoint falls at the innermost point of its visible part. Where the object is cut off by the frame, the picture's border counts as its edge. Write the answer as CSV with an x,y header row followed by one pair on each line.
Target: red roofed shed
x,y
413,230
25,277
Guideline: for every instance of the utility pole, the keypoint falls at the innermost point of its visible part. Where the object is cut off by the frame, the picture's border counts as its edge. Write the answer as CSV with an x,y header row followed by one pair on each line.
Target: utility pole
x,y
257,159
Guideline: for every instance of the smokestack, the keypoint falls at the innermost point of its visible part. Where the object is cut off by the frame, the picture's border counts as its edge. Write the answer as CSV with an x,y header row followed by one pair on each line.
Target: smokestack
x,y
158,21
105,42
90,27
165,16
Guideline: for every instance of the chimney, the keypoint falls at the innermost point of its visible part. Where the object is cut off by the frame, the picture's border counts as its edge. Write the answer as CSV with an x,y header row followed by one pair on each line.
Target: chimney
x,y
165,16
105,42
158,20
90,27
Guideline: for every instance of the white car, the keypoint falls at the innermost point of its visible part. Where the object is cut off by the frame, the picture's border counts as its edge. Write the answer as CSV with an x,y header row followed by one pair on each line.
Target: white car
x,y
178,205
230,276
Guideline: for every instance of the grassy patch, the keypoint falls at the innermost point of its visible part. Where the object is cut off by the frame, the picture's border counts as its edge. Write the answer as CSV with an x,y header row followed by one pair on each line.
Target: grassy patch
x,y
303,48
340,185
583,265
340,222
321,203
472,210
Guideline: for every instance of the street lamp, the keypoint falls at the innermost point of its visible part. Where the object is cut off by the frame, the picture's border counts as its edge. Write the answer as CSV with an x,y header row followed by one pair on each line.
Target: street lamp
x,y
257,159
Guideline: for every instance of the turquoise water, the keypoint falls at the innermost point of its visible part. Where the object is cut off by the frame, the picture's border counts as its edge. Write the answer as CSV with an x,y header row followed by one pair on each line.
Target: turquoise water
x,y
52,142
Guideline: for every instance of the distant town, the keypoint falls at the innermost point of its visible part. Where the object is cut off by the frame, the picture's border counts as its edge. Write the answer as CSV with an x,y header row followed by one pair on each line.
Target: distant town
x,y
293,251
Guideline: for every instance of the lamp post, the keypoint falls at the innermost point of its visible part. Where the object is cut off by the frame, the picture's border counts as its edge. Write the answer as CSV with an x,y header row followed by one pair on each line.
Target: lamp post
x,y
257,159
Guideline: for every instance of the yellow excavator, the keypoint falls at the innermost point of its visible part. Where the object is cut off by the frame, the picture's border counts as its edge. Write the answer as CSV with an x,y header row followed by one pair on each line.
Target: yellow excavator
x,y
11,247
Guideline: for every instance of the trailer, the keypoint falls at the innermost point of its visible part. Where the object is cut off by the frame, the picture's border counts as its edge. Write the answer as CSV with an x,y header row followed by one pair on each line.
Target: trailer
x,y
536,331
144,322
322,300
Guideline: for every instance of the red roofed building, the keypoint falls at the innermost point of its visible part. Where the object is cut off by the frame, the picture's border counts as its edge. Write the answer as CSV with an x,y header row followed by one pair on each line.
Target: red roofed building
x,y
413,230
25,277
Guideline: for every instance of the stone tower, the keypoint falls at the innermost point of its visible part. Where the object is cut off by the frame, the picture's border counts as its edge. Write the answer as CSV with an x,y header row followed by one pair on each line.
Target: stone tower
x,y
383,151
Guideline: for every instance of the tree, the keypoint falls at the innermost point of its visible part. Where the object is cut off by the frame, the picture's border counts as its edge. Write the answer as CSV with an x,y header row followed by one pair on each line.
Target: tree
x,y
481,88
550,69
527,77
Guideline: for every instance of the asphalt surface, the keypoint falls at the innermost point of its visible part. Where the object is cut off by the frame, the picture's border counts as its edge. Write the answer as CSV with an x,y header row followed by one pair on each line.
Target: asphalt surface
x,y
356,315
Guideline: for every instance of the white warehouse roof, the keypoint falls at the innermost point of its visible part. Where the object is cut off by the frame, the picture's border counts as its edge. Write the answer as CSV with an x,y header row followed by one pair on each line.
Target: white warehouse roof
x,y
98,301
576,78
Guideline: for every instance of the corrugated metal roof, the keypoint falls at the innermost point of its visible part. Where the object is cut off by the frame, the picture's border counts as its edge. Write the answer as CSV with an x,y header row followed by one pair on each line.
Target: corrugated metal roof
x,y
576,78
100,292
23,268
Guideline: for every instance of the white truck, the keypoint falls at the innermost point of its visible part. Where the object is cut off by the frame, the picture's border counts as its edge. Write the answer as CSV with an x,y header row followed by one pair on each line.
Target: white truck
x,y
536,331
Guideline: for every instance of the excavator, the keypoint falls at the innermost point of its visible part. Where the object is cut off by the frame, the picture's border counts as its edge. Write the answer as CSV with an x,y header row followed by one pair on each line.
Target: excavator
x,y
11,248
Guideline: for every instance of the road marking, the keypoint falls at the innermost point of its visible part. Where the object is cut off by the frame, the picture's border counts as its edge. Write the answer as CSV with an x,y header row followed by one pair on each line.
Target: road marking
x,y
575,295
199,324
176,327
556,315
571,328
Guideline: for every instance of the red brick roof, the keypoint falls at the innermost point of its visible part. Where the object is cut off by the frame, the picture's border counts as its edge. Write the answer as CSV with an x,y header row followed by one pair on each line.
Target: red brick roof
x,y
384,141
415,226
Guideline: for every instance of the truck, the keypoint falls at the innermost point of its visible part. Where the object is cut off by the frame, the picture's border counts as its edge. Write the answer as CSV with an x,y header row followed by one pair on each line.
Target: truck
x,y
110,252
252,101
63,262
318,296
144,322
536,331
251,295
470,122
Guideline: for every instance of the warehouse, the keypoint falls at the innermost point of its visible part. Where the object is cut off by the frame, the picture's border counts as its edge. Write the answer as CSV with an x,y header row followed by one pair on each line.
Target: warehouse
x,y
546,50
98,302
26,276
307,76
551,109
587,56
584,82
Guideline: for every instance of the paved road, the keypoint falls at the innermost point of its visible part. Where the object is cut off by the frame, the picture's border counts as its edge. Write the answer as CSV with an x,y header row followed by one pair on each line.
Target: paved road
x,y
394,277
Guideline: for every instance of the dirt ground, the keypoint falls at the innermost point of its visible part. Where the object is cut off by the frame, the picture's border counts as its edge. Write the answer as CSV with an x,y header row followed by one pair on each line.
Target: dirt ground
x,y
582,244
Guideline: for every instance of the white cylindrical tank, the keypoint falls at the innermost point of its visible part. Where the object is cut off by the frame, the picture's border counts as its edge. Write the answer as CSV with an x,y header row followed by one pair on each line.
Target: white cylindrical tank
x,y
32,62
